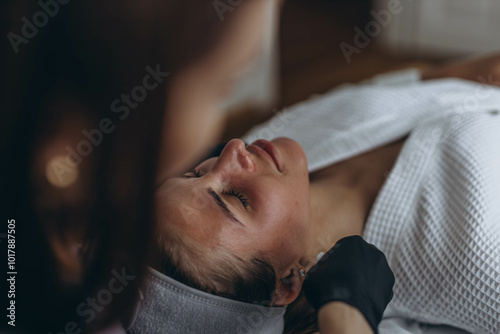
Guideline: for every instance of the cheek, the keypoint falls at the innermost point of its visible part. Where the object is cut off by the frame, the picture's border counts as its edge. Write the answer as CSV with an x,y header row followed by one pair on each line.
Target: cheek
x,y
277,228
284,208
279,195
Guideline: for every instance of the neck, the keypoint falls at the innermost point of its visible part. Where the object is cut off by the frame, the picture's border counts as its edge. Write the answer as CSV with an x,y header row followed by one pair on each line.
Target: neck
x,y
342,196
340,204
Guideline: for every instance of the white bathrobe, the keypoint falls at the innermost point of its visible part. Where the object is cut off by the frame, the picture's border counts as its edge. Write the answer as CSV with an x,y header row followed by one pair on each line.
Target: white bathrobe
x,y
437,216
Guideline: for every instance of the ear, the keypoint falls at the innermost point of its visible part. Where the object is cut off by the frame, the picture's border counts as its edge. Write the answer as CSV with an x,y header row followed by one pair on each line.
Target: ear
x,y
288,288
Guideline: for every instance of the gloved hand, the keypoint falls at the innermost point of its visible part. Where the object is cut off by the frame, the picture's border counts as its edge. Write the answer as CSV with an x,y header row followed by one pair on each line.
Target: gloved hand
x,y
354,272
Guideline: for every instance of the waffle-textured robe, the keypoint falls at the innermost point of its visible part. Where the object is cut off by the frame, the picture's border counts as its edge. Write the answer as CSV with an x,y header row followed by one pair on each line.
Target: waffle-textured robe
x,y
437,216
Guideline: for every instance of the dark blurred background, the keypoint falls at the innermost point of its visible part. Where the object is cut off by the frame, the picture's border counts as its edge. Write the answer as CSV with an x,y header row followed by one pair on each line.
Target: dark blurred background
x,y
310,60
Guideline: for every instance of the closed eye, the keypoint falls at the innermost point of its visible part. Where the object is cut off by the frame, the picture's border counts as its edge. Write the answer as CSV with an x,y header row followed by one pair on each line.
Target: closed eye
x,y
193,173
244,201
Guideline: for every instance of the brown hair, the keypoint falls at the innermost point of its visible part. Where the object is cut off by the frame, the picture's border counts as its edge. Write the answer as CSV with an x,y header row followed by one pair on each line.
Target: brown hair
x,y
300,317
221,273
215,271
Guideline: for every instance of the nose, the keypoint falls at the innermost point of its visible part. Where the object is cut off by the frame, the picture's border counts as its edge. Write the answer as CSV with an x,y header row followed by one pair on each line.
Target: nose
x,y
235,154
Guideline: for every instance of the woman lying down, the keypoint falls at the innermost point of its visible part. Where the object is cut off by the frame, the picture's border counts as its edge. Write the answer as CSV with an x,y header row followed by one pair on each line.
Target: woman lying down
x,y
411,166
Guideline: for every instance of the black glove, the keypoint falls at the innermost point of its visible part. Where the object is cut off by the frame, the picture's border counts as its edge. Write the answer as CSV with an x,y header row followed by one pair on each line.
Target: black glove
x,y
354,272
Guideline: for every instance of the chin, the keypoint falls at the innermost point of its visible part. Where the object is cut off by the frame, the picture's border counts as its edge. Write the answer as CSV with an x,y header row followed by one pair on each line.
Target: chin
x,y
291,151
288,144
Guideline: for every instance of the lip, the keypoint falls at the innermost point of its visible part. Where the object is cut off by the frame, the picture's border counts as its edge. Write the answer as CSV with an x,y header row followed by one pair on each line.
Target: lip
x,y
269,149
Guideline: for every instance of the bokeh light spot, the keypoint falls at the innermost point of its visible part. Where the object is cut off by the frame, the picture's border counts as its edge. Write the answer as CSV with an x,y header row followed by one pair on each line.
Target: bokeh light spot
x,y
59,173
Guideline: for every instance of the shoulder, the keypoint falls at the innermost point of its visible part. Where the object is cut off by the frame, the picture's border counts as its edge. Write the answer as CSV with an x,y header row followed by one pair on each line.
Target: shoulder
x,y
463,175
473,134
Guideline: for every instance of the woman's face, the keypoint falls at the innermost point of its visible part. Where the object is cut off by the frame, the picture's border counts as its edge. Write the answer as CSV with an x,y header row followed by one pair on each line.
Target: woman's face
x,y
248,200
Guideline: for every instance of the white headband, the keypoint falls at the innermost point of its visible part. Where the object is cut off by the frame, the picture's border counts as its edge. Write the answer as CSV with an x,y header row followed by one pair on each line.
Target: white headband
x,y
169,306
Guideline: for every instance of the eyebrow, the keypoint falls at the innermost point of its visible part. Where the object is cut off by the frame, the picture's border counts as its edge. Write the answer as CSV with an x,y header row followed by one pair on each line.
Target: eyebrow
x,y
218,200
